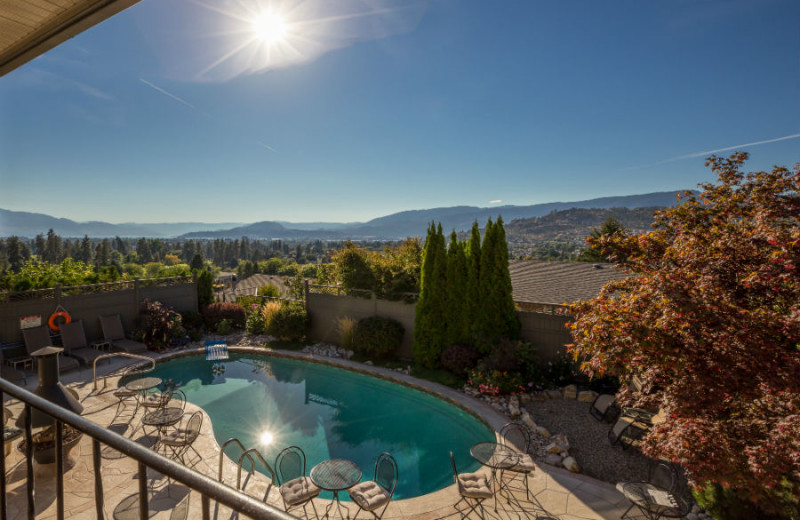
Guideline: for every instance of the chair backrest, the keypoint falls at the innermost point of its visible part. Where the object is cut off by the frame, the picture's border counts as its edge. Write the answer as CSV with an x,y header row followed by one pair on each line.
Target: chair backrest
x,y
290,464
178,398
516,435
112,327
386,473
193,427
73,335
664,475
455,469
36,338
602,402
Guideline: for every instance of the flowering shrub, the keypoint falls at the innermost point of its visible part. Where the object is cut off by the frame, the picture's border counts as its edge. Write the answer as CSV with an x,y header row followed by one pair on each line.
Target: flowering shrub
x,y
495,382
157,323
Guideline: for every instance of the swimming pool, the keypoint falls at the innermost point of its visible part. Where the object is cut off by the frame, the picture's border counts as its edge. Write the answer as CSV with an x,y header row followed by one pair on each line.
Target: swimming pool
x,y
331,414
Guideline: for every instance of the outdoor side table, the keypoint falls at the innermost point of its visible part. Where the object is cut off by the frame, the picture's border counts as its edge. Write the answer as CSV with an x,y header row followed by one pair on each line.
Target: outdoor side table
x,y
495,456
101,344
335,475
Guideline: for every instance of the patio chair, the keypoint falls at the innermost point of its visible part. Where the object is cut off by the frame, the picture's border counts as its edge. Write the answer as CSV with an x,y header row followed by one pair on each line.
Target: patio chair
x,y
180,440
518,436
660,496
295,487
73,339
114,333
39,337
630,427
10,373
376,493
473,488
604,407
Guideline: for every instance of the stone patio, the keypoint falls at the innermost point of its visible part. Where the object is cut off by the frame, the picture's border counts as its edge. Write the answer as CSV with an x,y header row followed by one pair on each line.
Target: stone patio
x,y
556,493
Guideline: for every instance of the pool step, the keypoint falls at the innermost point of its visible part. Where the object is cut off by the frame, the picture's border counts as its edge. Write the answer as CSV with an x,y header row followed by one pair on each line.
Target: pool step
x,y
216,350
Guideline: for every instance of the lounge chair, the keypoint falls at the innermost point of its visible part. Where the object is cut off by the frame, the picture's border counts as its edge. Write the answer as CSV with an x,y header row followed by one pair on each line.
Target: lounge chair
x,y
73,339
114,333
38,338
630,427
295,487
10,373
604,407
473,488
376,493
180,440
660,496
518,436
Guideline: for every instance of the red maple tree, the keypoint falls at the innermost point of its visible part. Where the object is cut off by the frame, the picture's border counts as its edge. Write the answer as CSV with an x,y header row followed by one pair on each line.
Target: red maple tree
x,y
710,322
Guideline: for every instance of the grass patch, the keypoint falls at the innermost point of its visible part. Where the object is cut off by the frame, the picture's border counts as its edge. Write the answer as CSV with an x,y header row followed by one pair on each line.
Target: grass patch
x,y
443,377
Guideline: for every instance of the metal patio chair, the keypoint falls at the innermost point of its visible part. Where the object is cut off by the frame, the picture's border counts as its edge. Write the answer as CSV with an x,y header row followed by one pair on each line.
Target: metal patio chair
x,y
660,496
376,493
180,440
473,488
295,487
630,427
518,436
604,406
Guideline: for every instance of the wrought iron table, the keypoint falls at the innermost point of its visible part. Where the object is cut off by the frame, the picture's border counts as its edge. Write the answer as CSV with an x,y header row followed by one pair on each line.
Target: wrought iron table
x,y
335,475
161,419
497,457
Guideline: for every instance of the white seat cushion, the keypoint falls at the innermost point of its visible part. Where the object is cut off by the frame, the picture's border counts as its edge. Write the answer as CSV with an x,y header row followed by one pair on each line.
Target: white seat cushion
x,y
369,495
472,485
298,490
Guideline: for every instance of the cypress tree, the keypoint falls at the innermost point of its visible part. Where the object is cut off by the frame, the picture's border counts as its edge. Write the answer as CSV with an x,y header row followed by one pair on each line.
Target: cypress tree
x,y
422,317
486,321
508,321
472,313
439,310
457,278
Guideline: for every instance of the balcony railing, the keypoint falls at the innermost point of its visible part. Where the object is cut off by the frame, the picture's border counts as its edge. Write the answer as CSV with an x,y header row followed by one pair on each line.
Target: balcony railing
x,y
208,488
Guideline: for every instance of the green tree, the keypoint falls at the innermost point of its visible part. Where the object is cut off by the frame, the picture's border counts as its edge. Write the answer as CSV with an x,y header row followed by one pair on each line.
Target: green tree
x,y
197,263
143,251
18,252
592,253
474,298
458,325
84,253
710,322
430,334
205,288
353,267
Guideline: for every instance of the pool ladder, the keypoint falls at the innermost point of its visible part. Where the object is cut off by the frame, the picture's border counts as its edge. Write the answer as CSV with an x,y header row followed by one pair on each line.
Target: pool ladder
x,y
246,455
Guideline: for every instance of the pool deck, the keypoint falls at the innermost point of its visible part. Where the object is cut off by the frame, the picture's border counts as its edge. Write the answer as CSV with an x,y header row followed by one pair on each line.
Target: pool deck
x,y
555,493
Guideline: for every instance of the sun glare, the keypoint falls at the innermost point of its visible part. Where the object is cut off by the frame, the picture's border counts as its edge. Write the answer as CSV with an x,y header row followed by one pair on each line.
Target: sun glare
x,y
266,438
270,27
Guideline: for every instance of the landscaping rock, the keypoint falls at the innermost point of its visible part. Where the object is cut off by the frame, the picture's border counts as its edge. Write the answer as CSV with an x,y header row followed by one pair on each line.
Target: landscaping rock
x,y
527,420
553,394
587,396
570,392
554,449
561,441
543,432
553,460
571,464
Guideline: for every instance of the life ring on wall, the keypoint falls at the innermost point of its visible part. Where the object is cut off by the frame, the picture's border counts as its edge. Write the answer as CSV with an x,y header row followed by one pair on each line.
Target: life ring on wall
x,y
60,314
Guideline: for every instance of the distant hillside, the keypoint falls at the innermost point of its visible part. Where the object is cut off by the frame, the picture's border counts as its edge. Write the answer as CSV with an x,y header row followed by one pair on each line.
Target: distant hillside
x,y
25,224
390,227
574,225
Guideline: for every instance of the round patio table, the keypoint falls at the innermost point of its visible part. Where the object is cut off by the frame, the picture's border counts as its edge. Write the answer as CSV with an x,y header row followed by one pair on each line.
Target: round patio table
x,y
497,457
335,475
161,419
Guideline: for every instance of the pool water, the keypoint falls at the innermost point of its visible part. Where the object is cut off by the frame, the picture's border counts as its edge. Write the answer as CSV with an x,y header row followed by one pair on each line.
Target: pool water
x,y
331,414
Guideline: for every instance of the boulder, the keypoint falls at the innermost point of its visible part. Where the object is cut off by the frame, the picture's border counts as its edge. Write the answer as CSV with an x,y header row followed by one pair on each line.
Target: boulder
x,y
561,441
543,432
513,410
553,460
570,392
587,396
554,449
527,420
571,464
553,394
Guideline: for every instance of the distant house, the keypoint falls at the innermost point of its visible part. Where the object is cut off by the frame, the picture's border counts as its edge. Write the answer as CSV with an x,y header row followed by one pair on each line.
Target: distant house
x,y
547,286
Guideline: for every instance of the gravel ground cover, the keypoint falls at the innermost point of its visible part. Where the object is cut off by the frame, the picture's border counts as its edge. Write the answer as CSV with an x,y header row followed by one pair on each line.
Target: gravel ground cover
x,y
588,440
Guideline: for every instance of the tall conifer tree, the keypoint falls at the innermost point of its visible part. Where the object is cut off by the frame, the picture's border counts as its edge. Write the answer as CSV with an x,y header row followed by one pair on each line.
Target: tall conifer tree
x,y
457,278
474,300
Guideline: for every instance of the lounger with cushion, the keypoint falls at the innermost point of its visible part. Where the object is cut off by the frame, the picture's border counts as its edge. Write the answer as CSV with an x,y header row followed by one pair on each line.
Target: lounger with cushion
x,y
73,339
114,333
38,338
10,373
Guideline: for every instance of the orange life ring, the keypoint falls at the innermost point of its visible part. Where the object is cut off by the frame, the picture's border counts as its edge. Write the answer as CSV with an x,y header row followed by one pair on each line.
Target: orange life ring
x,y
60,314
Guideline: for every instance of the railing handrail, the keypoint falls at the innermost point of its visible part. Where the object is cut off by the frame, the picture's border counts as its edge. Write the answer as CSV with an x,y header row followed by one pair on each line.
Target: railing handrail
x,y
222,455
120,354
7,294
261,458
207,486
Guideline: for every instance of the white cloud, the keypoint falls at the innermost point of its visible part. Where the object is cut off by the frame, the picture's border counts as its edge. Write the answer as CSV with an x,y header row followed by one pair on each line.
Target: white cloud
x,y
497,201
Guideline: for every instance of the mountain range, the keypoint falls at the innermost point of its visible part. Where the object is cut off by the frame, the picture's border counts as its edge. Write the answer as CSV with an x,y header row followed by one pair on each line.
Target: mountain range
x,y
395,226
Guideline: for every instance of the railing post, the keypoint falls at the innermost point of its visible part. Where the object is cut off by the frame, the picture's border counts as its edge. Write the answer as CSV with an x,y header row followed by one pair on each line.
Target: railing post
x,y
29,462
98,478
59,446
3,477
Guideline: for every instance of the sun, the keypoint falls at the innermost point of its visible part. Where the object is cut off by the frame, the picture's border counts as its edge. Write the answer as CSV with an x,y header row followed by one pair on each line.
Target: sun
x,y
270,27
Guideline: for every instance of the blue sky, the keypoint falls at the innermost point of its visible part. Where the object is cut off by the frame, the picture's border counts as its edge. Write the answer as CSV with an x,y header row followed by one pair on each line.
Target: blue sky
x,y
175,110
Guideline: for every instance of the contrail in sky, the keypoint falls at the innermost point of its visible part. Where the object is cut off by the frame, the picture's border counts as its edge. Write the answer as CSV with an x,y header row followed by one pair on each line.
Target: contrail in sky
x,y
709,152
173,96
184,102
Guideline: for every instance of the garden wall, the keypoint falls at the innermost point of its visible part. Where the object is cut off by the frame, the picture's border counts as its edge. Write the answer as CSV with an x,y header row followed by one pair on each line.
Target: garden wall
x,y
89,302
546,331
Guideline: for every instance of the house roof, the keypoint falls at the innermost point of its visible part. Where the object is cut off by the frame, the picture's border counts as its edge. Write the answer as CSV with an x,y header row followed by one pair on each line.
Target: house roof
x,y
559,282
29,28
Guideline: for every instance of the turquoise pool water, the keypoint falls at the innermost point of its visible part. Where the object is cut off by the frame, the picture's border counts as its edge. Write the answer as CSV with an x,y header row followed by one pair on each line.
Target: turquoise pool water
x,y
331,414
